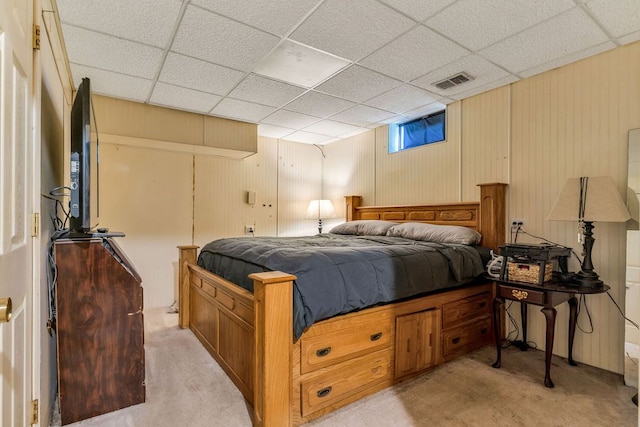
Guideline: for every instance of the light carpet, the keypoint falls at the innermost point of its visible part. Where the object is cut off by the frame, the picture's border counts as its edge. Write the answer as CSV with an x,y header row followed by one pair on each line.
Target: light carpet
x,y
186,387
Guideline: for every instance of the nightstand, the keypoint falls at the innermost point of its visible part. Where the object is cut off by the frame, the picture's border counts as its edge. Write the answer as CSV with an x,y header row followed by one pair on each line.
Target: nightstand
x,y
547,295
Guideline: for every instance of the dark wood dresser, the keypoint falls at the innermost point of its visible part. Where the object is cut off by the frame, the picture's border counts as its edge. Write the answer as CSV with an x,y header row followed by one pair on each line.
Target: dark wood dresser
x,y
100,328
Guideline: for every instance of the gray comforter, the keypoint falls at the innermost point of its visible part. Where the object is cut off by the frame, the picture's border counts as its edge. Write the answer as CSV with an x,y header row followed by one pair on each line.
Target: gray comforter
x,y
338,274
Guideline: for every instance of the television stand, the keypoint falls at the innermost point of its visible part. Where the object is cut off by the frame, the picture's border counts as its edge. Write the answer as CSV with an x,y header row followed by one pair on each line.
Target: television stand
x,y
100,327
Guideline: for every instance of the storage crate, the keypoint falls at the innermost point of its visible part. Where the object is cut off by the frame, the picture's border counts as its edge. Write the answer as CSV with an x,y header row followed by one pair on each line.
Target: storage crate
x,y
529,272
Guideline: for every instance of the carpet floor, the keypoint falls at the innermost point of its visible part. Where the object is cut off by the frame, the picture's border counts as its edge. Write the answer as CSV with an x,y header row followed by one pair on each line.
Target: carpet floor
x,y
186,387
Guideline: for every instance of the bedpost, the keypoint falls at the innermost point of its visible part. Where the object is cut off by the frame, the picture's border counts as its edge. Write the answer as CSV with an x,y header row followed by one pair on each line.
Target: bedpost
x,y
352,202
273,342
492,214
187,255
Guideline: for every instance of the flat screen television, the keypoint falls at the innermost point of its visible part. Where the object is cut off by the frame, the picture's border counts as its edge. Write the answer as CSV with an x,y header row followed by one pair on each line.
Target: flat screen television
x,y
84,206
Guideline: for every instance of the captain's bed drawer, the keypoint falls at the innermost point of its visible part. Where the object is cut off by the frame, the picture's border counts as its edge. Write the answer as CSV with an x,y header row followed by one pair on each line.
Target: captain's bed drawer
x,y
344,379
466,309
466,338
363,334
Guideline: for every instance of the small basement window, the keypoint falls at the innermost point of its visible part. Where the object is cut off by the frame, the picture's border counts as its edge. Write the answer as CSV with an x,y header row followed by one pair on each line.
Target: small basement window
x,y
422,131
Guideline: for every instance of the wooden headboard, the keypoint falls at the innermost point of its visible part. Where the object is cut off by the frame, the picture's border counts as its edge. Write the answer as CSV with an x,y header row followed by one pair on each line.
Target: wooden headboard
x,y
486,216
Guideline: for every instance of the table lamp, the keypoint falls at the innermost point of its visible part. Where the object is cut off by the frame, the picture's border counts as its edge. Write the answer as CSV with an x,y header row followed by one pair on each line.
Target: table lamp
x,y
320,209
587,200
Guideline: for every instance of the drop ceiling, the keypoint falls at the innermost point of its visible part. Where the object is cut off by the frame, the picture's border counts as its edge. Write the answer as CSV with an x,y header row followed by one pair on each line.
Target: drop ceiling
x,y
315,71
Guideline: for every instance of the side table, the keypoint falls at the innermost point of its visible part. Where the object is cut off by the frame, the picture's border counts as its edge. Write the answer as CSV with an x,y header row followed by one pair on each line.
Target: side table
x,y
547,295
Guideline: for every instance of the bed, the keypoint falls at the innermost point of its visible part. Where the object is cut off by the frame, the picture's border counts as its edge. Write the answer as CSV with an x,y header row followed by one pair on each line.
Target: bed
x,y
291,373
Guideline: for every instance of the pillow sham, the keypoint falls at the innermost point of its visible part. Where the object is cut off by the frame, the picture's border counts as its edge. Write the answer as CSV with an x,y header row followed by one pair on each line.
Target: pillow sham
x,y
364,227
435,233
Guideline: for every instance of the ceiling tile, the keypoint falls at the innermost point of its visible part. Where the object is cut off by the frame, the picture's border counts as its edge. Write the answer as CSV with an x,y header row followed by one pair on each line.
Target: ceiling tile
x,y
358,84
413,54
350,134
242,110
351,29
220,40
484,88
144,21
112,84
307,137
633,37
396,118
183,98
402,99
362,115
110,53
333,128
479,23
290,119
423,111
477,67
275,16
271,131
620,20
565,34
318,104
298,64
265,91
418,10
199,75
564,60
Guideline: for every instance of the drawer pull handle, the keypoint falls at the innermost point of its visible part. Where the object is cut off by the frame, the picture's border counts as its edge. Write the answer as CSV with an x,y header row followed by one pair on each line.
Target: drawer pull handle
x,y
519,295
483,331
376,337
324,392
483,304
456,340
323,352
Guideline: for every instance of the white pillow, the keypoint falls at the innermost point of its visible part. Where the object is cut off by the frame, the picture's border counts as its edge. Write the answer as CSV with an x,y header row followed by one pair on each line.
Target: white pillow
x,y
435,233
364,227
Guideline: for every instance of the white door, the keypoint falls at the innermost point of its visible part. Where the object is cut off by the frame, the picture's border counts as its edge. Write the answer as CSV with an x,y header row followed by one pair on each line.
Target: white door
x,y
16,200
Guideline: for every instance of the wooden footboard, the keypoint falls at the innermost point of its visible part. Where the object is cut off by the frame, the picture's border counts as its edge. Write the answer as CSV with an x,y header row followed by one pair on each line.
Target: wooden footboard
x,y
343,359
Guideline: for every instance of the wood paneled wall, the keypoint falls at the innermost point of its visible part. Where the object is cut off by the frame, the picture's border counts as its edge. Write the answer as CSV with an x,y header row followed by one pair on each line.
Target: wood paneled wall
x,y
147,194
299,181
485,135
163,198
569,122
153,126
349,170
420,175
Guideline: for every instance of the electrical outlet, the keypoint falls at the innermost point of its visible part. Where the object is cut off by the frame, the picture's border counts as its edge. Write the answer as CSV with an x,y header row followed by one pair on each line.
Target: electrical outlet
x,y
517,222
249,229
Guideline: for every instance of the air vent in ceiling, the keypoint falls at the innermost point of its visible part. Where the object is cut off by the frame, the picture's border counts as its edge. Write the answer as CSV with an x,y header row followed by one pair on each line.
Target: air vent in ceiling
x,y
452,81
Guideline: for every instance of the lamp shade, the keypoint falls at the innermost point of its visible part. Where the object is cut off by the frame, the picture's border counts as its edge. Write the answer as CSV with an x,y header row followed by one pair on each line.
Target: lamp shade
x,y
320,209
601,201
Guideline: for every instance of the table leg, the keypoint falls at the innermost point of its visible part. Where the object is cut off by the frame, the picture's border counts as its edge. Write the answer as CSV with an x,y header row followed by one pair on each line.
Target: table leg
x,y
523,315
573,315
550,315
497,306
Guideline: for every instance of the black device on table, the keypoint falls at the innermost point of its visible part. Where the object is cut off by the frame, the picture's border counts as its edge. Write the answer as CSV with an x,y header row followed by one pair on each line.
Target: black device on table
x,y
538,254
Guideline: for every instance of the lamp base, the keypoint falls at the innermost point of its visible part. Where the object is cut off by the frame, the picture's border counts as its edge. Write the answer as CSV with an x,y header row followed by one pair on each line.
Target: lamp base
x,y
587,279
587,276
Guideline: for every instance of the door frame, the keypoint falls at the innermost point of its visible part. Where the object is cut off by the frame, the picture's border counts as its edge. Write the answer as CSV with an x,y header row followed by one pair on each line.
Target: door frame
x,y
36,258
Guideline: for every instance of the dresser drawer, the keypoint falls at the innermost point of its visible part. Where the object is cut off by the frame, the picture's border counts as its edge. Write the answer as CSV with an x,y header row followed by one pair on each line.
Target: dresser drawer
x,y
344,379
466,338
524,295
362,335
461,311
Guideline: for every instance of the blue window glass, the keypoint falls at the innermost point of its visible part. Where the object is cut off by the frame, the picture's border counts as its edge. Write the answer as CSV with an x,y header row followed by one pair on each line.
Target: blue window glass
x,y
422,131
